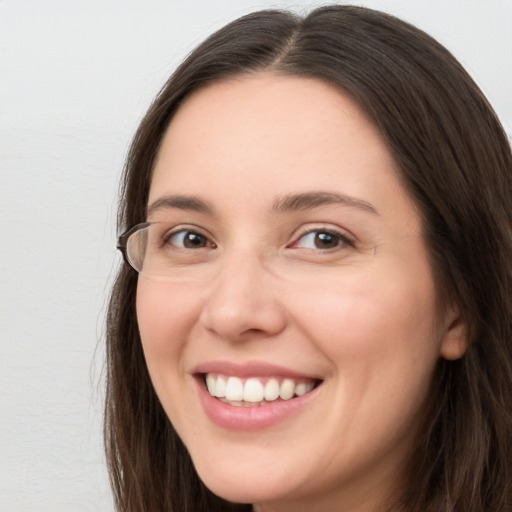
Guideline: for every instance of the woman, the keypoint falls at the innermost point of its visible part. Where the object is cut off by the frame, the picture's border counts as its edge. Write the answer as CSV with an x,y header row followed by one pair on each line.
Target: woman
x,y
315,313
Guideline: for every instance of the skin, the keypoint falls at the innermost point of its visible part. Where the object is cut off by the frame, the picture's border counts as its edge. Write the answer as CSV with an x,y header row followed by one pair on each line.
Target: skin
x,y
360,316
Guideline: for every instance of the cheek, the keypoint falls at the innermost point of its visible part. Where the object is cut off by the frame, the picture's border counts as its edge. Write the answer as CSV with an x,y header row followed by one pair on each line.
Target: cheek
x,y
379,335
375,325
164,316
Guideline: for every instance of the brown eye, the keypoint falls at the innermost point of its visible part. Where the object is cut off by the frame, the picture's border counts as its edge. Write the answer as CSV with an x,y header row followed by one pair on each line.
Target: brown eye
x,y
326,241
187,239
322,240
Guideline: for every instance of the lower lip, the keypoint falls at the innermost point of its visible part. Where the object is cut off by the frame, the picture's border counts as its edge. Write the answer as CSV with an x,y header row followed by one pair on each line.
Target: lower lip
x,y
250,418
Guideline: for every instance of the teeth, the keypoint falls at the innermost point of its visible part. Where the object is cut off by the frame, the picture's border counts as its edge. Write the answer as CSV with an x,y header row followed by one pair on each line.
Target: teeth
x,y
302,388
287,389
238,392
211,384
271,390
234,389
253,391
220,386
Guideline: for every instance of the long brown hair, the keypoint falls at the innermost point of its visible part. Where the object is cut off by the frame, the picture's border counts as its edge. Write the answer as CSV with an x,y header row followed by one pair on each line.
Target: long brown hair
x,y
454,159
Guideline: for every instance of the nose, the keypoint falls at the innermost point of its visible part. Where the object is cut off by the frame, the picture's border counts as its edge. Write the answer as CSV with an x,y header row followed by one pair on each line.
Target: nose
x,y
243,301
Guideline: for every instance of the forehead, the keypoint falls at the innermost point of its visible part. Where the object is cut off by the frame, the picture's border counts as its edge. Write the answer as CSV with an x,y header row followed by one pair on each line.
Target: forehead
x,y
268,135
294,116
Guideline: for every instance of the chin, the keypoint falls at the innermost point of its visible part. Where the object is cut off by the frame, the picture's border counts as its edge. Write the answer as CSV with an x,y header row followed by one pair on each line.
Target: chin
x,y
245,485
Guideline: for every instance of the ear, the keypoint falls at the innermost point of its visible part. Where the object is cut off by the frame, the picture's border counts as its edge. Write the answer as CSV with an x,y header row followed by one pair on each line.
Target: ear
x,y
455,337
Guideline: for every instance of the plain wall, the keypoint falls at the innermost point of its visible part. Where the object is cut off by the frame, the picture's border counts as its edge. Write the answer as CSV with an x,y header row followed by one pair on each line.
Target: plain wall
x,y
75,79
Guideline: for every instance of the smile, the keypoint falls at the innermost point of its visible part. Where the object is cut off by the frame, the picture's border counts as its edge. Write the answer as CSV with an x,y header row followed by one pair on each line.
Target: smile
x,y
255,391
254,395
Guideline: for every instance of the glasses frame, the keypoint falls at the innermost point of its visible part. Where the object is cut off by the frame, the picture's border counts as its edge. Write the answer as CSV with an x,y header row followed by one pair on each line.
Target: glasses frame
x,y
122,241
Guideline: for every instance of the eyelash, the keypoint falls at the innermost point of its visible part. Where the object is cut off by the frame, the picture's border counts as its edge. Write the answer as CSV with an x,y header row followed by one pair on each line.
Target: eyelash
x,y
166,239
341,239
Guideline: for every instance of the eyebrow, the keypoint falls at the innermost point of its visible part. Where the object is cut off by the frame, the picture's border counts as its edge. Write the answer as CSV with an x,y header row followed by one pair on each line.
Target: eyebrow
x,y
282,204
180,202
310,200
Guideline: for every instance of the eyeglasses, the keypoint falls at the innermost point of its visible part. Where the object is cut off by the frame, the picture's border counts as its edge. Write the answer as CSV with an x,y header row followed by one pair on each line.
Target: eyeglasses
x,y
132,244
156,249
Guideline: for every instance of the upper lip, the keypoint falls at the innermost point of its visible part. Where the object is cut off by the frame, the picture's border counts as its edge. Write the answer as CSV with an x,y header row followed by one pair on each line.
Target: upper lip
x,y
250,369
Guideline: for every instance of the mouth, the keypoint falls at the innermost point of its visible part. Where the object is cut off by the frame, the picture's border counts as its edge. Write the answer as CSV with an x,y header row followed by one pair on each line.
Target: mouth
x,y
256,391
251,396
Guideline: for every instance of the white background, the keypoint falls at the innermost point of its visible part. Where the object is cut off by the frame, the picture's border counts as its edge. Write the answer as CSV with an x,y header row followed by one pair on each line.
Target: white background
x,y
75,79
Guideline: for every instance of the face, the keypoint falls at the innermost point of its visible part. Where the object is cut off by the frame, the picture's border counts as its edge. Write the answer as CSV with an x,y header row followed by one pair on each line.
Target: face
x,y
298,290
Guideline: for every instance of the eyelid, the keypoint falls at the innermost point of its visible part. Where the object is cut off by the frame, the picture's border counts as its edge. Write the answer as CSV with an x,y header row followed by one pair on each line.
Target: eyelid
x,y
184,228
345,238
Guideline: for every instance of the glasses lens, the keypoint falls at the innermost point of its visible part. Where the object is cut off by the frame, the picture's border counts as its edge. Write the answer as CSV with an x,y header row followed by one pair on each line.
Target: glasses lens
x,y
146,250
136,248
156,250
